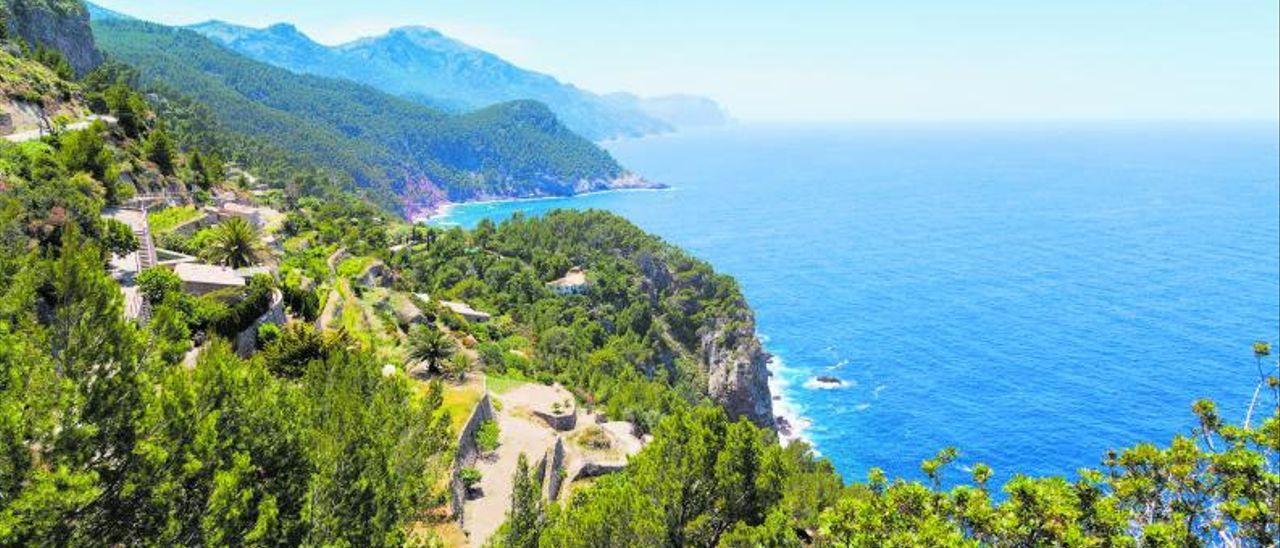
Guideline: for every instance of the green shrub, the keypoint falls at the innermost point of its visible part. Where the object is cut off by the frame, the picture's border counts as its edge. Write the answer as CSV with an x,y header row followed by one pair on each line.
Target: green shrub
x,y
470,477
158,283
267,334
487,436
239,315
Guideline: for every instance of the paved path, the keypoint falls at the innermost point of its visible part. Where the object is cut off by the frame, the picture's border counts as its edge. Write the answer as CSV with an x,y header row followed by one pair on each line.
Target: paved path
x,y
34,134
124,268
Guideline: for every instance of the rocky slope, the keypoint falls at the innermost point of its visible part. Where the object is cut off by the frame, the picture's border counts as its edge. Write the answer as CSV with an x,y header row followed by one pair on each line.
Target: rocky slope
x,y
32,97
59,24
731,360
737,372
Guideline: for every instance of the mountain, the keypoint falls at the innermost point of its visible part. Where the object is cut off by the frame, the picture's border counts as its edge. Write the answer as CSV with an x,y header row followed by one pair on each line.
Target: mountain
x,y
675,110
59,24
428,67
422,156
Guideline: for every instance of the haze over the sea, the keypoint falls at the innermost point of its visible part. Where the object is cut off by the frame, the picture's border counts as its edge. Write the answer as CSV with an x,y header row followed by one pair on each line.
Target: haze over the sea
x,y
820,60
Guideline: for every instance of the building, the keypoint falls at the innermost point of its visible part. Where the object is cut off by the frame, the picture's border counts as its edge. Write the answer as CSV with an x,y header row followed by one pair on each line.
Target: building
x,y
199,278
258,216
468,313
573,282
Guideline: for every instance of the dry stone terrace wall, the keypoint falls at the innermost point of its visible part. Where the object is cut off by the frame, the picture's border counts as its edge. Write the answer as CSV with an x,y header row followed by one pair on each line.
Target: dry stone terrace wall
x,y
467,453
554,473
247,340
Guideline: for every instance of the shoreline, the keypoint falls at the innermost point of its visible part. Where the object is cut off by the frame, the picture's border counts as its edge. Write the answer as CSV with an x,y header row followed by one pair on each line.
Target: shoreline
x,y
793,425
443,210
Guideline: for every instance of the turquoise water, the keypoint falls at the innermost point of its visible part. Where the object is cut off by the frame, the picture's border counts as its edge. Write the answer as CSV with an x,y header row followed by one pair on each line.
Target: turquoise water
x,y
1031,295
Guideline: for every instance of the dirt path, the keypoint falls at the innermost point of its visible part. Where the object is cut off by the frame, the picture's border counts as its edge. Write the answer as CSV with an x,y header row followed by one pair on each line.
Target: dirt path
x,y
485,513
520,432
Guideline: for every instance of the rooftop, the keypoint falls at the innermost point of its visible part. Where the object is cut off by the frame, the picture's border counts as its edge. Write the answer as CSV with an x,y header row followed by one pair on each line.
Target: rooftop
x,y
574,278
465,310
208,274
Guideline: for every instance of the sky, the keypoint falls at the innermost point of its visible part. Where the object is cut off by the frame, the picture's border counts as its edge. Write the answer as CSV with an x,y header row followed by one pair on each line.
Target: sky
x,y
848,60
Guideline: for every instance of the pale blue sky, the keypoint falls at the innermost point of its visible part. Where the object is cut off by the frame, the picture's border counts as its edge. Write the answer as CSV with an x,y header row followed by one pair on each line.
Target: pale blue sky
x,y
849,59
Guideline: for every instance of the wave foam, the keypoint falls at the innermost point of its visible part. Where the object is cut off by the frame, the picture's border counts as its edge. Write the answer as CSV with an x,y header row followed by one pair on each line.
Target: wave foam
x,y
784,408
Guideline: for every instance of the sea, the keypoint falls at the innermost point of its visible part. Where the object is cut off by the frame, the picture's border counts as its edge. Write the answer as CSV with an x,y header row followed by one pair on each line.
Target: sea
x,y
1032,294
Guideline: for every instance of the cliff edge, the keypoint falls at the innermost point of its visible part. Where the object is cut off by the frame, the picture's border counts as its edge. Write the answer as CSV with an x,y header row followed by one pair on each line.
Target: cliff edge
x,y
59,24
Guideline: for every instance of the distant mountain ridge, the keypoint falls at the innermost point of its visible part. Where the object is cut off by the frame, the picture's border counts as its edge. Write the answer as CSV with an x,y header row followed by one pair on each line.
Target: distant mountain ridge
x,y
426,66
413,156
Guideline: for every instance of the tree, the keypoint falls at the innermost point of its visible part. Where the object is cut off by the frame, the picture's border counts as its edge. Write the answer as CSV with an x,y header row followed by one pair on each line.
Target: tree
x,y
235,243
86,151
55,61
525,520
157,284
196,165
118,238
159,149
431,346
127,106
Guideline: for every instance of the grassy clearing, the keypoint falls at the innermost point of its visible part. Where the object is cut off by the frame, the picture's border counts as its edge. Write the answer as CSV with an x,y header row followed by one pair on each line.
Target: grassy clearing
x,y
502,385
167,219
354,266
459,400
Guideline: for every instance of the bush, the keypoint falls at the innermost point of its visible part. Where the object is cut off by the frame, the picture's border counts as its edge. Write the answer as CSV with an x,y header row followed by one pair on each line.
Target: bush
x,y
157,283
303,303
294,349
470,477
238,316
267,334
594,438
487,436
118,238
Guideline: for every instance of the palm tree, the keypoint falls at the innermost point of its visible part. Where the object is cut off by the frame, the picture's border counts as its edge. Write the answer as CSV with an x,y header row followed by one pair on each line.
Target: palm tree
x,y
429,345
235,244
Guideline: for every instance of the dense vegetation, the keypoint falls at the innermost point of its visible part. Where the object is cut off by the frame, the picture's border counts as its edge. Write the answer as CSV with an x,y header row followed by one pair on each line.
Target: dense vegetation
x,y
378,140
109,435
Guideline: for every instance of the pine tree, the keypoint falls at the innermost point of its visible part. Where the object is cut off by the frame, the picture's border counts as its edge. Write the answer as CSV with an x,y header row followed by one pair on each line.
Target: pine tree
x,y
159,149
525,517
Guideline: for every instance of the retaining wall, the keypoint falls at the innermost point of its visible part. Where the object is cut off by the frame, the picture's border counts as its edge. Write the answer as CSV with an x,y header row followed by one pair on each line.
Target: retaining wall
x,y
247,340
467,453
554,474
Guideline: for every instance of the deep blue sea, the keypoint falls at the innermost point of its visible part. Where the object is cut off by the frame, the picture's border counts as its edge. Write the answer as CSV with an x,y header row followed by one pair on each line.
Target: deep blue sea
x,y
1033,295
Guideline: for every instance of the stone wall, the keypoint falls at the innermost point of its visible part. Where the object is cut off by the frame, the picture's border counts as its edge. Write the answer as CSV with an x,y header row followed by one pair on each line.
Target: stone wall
x,y
563,422
553,476
467,453
247,340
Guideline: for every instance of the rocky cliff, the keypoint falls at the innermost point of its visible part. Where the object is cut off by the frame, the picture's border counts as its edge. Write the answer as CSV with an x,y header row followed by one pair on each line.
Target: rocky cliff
x,y
732,363
737,372
59,24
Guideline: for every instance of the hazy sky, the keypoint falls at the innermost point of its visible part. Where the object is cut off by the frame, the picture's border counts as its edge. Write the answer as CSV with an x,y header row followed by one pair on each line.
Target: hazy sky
x,y
848,59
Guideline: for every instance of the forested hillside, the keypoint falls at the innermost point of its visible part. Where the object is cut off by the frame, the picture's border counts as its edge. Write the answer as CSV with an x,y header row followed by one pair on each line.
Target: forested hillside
x,y
424,65
420,154
321,394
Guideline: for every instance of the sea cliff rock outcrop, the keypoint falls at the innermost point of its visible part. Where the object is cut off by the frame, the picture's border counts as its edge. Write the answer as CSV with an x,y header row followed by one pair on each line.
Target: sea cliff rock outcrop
x,y
59,24
737,371
731,360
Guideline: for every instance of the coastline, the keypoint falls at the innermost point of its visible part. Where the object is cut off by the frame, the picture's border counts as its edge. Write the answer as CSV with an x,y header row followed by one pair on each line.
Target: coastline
x,y
792,423
444,209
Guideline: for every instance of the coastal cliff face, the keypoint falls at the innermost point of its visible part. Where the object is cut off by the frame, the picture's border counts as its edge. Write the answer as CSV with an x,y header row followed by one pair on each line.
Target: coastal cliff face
x,y
732,363
59,24
737,372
